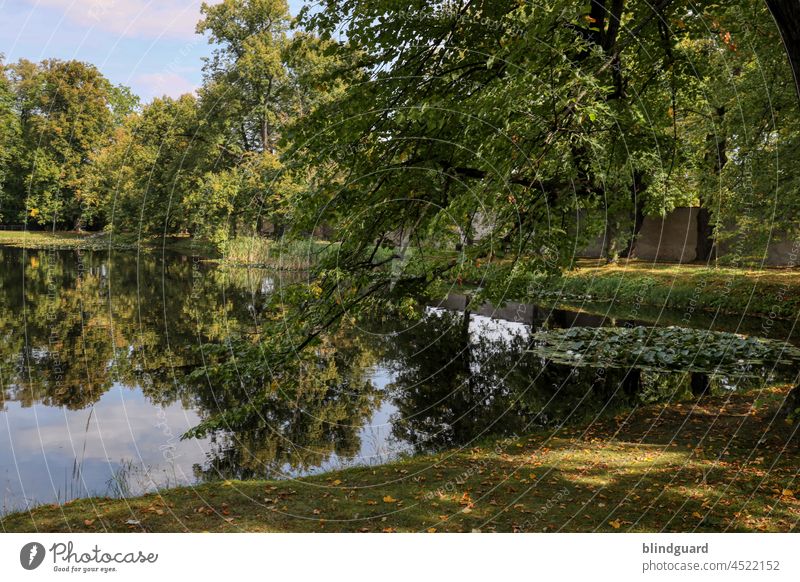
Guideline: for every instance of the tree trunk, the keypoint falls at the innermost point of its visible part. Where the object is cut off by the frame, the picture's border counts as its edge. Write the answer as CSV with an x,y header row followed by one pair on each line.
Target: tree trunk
x,y
700,384
638,215
610,243
787,16
717,157
232,226
792,404
632,383
706,248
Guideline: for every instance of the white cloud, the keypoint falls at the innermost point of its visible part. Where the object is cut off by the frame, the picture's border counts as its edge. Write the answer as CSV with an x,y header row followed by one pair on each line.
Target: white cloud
x,y
151,85
132,18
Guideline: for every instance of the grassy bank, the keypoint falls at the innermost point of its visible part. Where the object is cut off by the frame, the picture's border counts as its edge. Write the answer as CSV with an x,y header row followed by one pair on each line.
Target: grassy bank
x,y
720,465
64,240
263,252
632,285
243,251
689,288
43,239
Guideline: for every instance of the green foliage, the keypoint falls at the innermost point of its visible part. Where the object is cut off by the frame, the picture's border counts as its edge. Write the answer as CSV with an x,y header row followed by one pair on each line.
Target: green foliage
x,y
687,288
665,349
9,142
66,111
150,167
441,142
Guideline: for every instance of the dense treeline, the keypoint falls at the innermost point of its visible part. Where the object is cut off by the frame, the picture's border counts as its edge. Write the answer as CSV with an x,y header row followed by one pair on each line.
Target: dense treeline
x,y
56,116
80,153
496,127
477,139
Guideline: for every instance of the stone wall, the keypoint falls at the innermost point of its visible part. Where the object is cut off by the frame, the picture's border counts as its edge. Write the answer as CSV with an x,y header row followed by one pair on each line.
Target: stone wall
x,y
673,239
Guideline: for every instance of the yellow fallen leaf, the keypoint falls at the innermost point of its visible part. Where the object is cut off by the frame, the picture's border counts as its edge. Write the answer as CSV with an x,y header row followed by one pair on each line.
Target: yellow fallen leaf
x,y
389,499
615,524
697,515
337,482
787,493
532,476
431,530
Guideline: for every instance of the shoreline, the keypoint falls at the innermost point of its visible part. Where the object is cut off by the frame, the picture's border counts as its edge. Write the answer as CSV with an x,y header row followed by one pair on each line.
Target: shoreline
x,y
595,477
771,293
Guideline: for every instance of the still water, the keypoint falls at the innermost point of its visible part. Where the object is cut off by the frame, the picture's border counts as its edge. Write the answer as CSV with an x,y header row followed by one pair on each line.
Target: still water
x,y
97,348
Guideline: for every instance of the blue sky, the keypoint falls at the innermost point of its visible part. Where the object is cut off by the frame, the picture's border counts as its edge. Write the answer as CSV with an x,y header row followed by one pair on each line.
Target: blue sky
x,y
149,45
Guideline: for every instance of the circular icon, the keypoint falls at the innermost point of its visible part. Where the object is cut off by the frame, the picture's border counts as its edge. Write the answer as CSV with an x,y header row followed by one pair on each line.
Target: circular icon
x,y
31,555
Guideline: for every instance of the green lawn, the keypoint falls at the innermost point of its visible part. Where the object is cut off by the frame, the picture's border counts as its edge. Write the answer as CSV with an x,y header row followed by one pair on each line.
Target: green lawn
x,y
692,288
43,239
719,465
631,284
243,250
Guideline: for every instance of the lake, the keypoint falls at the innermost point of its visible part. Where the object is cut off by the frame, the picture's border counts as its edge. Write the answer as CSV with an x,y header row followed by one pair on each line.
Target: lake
x,y
101,353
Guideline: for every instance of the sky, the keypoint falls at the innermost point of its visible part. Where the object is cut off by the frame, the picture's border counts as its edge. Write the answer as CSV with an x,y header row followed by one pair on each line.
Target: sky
x,y
148,45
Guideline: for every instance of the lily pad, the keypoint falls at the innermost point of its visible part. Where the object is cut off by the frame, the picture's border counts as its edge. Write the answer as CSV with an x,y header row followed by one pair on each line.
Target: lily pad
x,y
665,349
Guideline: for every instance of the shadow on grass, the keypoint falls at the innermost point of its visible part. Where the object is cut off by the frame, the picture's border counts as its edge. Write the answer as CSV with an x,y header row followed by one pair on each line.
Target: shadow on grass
x,y
719,465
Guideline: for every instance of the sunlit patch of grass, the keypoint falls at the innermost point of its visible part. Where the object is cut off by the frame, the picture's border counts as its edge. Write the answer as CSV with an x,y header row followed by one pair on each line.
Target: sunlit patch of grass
x,y
774,292
44,239
631,476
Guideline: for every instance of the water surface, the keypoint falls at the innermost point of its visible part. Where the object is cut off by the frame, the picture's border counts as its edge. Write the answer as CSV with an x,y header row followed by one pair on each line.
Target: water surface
x,y
97,349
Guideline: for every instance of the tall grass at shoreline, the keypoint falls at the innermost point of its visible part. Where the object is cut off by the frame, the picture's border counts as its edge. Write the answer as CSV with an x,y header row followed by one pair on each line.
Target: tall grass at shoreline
x,y
281,255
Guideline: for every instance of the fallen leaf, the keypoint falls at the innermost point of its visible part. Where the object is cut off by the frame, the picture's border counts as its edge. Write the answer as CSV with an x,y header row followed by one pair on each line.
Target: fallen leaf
x,y
615,524
389,499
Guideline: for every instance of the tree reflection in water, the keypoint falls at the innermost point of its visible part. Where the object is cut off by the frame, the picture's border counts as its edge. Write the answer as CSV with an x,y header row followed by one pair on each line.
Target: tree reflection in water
x,y
74,326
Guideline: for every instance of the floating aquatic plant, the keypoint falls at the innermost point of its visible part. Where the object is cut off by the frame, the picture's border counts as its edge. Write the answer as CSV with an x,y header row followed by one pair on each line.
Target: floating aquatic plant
x,y
665,348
